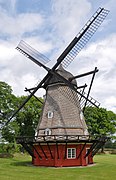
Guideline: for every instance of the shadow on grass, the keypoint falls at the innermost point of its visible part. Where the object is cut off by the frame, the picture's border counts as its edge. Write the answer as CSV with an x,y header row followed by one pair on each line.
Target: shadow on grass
x,y
6,155
20,163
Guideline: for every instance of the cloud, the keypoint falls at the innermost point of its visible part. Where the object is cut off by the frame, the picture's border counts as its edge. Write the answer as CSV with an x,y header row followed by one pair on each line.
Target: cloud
x,y
100,54
66,19
15,69
110,103
9,5
20,24
50,35
68,16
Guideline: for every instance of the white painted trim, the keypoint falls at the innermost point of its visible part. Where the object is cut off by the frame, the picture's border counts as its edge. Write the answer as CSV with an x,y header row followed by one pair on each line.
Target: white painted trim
x,y
72,157
50,114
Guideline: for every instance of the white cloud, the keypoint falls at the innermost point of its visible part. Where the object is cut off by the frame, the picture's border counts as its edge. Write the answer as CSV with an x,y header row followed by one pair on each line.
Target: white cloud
x,y
19,24
110,103
69,15
67,19
8,4
15,69
63,24
100,54
7,52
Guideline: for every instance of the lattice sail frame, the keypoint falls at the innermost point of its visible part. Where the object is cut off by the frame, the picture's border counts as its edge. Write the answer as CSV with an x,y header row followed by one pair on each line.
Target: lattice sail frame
x,y
93,24
80,99
29,51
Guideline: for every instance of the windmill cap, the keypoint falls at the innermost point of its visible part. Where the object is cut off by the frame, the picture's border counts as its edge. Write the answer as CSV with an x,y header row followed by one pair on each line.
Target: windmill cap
x,y
61,71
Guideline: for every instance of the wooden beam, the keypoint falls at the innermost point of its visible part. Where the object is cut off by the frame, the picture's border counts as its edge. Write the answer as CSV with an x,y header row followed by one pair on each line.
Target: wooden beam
x,y
36,151
57,150
50,150
81,150
91,149
28,149
43,151
65,151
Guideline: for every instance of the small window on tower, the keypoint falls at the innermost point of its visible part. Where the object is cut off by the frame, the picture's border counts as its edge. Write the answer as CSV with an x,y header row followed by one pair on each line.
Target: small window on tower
x,y
81,115
50,114
71,153
48,132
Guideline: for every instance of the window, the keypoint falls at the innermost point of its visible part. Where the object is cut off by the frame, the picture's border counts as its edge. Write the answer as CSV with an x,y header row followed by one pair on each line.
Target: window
x,y
50,114
36,133
47,132
71,153
81,115
86,132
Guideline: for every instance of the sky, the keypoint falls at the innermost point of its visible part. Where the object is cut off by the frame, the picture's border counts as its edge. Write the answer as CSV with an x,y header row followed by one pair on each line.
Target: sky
x,y
49,26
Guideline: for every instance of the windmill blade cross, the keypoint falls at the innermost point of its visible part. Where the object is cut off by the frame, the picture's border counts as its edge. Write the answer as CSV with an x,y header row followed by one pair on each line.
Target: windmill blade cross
x,y
50,73
66,57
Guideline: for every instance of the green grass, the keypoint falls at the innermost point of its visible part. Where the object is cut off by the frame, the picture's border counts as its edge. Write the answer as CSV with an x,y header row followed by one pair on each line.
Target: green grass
x,y
19,168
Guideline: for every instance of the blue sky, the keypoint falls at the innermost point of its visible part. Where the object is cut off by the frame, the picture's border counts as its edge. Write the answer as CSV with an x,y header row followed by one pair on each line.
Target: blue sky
x,y
49,26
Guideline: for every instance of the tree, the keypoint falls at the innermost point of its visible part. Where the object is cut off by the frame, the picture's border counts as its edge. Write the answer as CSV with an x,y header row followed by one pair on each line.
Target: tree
x,y
25,122
7,101
110,144
7,105
100,121
29,115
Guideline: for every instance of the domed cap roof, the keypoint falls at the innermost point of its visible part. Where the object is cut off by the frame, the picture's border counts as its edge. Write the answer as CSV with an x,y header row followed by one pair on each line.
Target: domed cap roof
x,y
63,73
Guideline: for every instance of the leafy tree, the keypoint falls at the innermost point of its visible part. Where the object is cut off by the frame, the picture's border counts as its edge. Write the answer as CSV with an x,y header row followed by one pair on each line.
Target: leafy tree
x,y
100,121
110,144
7,105
29,115
25,122
7,101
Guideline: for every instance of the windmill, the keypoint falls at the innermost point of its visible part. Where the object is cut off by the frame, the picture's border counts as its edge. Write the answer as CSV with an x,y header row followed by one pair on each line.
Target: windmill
x,y
62,138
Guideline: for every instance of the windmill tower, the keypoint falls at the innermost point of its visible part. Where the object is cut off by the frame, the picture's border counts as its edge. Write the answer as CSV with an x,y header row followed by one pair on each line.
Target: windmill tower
x,y
62,137
61,114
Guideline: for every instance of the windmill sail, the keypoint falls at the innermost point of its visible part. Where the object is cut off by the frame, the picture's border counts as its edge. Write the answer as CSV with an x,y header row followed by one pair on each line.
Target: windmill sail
x,y
85,34
30,52
89,103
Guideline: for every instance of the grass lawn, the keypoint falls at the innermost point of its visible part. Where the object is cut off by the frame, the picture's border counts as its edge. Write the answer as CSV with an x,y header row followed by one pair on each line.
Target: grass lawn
x,y
19,168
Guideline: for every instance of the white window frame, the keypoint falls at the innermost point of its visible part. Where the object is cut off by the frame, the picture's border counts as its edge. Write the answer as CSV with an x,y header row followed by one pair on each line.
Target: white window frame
x,y
87,158
70,152
47,132
81,115
50,114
